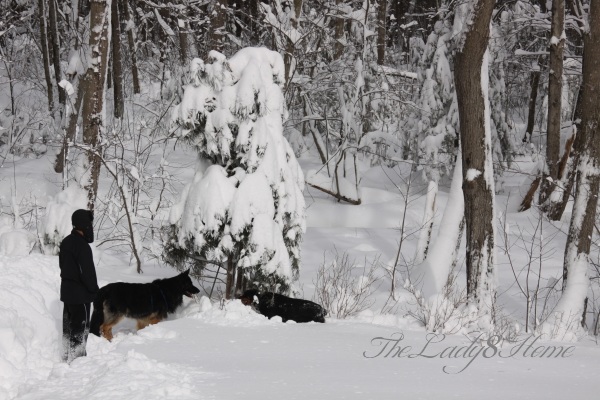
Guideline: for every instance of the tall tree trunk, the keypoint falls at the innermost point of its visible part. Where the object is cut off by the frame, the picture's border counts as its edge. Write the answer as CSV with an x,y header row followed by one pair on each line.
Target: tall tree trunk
x,y
475,139
184,42
93,100
217,30
45,53
62,96
72,117
132,45
253,25
117,63
556,208
570,159
289,57
566,317
557,44
229,281
427,224
338,33
381,31
535,83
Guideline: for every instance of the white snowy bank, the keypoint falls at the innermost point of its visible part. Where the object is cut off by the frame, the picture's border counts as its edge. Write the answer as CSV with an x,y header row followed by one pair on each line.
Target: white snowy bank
x,y
229,352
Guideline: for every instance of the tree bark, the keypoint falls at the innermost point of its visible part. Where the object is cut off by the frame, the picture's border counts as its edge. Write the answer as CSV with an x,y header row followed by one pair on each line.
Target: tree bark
x,y
338,34
117,63
569,162
381,31
475,138
567,315
217,31
535,83
45,53
229,282
427,224
557,44
93,100
567,174
59,163
254,25
184,42
62,96
584,212
132,46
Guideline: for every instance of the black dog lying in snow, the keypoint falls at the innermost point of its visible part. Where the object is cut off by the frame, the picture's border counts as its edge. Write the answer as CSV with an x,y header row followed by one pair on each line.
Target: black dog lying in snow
x,y
271,304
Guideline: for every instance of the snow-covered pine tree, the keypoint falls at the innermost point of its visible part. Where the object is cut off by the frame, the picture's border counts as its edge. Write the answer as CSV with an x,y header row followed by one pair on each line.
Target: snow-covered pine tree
x,y
436,132
437,123
245,204
503,146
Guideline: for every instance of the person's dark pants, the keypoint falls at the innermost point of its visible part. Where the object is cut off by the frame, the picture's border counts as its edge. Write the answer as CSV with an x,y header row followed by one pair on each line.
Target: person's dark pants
x,y
76,327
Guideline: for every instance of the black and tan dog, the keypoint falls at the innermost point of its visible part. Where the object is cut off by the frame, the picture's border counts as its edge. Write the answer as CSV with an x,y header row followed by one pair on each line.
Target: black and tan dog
x,y
148,303
271,304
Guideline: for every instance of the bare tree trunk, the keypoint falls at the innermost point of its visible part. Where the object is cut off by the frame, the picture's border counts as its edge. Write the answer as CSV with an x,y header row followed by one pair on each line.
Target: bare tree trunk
x,y
535,83
117,63
567,315
321,147
381,31
475,138
338,34
93,100
45,53
568,172
229,282
217,31
132,46
184,42
62,96
253,25
569,162
557,44
59,163
239,282
542,5
289,58
427,224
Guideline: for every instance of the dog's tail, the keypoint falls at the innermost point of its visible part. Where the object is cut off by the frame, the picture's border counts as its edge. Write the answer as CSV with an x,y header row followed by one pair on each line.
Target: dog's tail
x,y
98,314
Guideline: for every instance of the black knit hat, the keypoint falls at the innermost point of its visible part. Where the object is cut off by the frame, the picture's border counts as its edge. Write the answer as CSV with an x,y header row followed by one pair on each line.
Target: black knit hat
x,y
82,218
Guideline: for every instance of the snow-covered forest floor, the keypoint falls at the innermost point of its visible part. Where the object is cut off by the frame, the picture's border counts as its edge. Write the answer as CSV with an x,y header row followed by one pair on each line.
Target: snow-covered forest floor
x,y
228,352
193,171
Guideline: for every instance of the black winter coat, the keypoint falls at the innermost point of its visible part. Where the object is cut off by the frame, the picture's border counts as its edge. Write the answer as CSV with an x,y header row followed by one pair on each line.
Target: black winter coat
x,y
79,284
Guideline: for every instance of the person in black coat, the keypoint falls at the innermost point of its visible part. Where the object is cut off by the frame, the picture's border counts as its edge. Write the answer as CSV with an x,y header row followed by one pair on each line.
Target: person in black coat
x,y
79,284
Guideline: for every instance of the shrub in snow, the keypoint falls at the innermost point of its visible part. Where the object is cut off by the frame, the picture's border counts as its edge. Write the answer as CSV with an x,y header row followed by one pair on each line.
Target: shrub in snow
x,y
245,203
57,221
341,291
16,242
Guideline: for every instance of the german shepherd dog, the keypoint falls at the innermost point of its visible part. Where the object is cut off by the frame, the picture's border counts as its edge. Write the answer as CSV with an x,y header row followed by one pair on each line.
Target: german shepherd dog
x,y
148,303
271,304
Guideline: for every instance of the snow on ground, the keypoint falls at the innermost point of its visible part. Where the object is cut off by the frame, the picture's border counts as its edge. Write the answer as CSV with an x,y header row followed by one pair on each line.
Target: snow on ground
x,y
227,351
212,352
